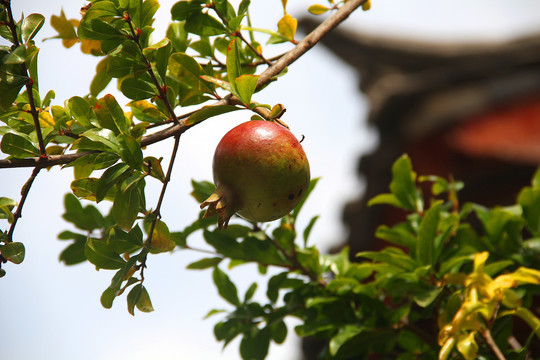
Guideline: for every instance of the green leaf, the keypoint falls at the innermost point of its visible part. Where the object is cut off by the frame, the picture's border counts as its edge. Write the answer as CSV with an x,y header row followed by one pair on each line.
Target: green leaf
x,y
392,256
255,347
209,111
529,200
102,9
95,161
245,87
308,229
133,298
224,84
425,248
250,292
385,199
426,298
110,115
102,256
153,167
187,71
6,206
225,287
18,145
108,296
203,24
204,263
144,304
181,10
109,178
145,111
18,56
13,251
102,136
278,331
130,151
95,29
126,207
345,334
137,89
31,25
161,236
234,67
161,52
102,78
84,188
398,235
202,190
87,218
74,253
403,184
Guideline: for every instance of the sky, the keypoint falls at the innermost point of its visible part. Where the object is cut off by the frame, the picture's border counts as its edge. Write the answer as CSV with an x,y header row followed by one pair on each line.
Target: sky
x,y
49,310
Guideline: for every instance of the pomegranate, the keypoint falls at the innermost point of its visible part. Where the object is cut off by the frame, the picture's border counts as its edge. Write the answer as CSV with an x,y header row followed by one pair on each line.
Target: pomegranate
x,y
260,171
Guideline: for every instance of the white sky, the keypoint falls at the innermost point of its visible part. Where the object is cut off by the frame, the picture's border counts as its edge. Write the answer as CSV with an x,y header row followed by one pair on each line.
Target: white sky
x,y
51,311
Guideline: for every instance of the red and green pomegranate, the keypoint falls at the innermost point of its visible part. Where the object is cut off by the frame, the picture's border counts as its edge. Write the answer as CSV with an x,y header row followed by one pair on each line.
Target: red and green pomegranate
x,y
260,171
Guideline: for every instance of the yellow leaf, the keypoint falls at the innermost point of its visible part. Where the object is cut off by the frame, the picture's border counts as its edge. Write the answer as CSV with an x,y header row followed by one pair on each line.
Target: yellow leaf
x,y
525,275
69,42
287,27
55,150
479,261
446,349
92,47
318,9
45,119
467,346
284,3
367,5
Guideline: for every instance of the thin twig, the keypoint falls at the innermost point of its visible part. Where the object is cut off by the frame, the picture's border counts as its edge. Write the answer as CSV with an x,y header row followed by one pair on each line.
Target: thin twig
x,y
242,38
309,41
255,51
24,194
29,84
157,211
489,340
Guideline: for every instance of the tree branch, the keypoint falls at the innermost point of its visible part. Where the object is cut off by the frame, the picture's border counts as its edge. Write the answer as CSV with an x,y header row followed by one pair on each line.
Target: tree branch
x,y
489,340
24,194
266,76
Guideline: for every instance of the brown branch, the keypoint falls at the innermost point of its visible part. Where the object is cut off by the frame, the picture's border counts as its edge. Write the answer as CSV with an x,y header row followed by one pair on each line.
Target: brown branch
x,y
489,340
157,211
266,76
24,194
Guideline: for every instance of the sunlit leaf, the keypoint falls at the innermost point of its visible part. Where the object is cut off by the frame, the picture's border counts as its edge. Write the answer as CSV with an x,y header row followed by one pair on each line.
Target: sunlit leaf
x,y
31,25
110,115
317,9
18,145
245,87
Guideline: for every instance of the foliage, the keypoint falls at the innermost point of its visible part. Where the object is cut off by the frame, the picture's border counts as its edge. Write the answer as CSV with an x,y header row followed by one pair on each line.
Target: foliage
x,y
464,272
